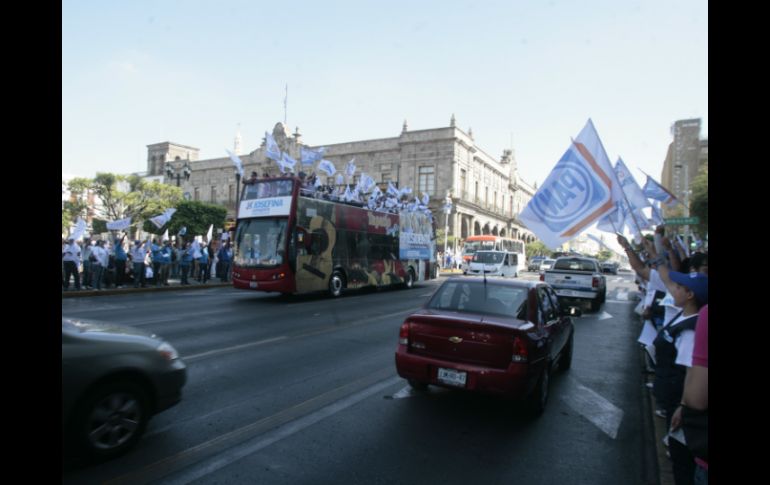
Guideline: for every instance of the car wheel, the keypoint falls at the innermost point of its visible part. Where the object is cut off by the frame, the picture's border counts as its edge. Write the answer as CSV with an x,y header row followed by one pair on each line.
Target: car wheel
x,y
336,283
565,361
409,283
111,419
417,385
539,397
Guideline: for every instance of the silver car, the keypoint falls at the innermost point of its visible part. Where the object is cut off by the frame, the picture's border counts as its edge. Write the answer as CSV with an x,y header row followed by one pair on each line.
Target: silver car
x,y
114,379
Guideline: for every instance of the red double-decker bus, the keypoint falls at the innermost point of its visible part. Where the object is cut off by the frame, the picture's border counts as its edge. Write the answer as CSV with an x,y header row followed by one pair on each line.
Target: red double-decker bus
x,y
289,240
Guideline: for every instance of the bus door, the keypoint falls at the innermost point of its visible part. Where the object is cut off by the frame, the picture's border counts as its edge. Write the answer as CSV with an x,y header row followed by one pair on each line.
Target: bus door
x,y
314,254
513,264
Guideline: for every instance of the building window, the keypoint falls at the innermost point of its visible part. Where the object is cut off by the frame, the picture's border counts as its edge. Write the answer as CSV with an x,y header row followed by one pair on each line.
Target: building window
x,y
476,194
463,187
197,194
427,180
386,167
387,177
213,193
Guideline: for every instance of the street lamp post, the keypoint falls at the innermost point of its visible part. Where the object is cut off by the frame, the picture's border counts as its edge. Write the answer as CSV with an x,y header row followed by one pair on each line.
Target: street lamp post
x,y
447,210
237,192
686,202
171,171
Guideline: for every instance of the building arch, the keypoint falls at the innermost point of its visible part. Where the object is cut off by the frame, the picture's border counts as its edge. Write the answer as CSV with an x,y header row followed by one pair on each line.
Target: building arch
x,y
463,228
476,228
502,232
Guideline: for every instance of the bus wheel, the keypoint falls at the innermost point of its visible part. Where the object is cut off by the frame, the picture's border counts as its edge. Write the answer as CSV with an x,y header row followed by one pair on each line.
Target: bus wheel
x,y
335,284
409,283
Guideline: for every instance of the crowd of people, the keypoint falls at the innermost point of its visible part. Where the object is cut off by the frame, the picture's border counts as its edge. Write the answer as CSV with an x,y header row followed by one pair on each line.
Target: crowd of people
x,y
675,338
97,264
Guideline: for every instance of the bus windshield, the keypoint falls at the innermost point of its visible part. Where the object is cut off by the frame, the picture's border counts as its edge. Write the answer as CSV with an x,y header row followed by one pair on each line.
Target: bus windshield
x,y
488,257
263,189
261,242
472,246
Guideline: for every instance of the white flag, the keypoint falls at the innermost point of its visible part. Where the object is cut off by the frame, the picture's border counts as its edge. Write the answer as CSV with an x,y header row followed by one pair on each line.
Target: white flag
x,y
351,169
80,229
271,147
236,161
162,219
208,234
119,225
165,236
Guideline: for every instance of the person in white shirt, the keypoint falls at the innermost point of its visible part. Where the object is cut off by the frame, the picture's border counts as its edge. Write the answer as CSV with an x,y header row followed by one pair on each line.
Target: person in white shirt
x,y
102,260
71,259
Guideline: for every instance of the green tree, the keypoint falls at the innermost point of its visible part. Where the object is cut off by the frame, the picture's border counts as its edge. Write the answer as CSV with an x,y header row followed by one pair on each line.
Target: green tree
x,y
76,206
604,255
699,205
131,196
195,216
537,248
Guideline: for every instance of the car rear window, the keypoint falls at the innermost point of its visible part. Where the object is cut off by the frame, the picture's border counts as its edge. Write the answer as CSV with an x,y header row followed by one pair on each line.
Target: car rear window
x,y
575,265
477,297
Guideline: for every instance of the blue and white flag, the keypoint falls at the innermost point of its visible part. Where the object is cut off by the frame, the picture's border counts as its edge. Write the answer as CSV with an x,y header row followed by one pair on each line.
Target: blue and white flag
x,y
613,222
637,222
425,199
165,236
366,183
119,225
656,217
351,168
208,234
286,163
236,161
392,190
162,219
580,189
327,167
405,191
339,179
631,189
309,156
183,231
271,147
655,191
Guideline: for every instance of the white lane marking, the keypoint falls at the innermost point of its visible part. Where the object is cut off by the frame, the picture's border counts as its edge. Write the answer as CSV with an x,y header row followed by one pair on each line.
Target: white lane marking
x,y
190,358
604,316
405,392
622,295
621,301
602,413
426,294
234,454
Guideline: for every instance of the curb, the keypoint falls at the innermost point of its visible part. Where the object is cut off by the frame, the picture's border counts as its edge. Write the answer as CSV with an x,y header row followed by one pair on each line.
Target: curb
x,y
148,289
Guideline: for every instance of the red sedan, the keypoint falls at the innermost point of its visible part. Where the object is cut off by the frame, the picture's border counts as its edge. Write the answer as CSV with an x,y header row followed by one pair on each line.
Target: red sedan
x,y
497,336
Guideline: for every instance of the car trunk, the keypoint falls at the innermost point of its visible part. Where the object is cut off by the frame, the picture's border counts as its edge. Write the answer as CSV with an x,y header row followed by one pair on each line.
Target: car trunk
x,y
467,338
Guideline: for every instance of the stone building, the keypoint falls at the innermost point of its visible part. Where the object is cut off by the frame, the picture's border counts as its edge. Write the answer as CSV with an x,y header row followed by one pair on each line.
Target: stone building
x,y
487,192
684,158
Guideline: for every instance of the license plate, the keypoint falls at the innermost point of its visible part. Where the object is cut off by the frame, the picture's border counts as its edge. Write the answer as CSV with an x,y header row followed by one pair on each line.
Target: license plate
x,y
451,377
566,293
252,284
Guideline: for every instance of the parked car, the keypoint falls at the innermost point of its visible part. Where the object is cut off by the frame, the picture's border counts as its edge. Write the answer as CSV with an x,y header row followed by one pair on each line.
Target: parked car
x,y
534,263
609,267
114,379
546,264
498,336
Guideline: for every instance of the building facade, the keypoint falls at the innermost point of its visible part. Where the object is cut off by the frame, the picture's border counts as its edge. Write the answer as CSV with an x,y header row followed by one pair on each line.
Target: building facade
x,y
487,192
684,158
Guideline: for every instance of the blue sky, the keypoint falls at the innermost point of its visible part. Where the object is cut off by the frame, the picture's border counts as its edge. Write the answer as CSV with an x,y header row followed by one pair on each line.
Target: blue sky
x,y
142,72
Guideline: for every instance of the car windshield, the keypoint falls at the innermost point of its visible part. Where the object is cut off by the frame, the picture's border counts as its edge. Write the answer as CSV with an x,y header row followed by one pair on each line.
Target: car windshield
x,y
547,262
479,297
488,257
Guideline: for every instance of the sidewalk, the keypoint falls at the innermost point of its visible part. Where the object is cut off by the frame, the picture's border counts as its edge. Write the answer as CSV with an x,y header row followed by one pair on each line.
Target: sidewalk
x,y
173,284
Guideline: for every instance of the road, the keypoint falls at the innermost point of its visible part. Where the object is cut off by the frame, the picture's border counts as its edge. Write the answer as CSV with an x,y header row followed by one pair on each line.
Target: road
x,y
304,390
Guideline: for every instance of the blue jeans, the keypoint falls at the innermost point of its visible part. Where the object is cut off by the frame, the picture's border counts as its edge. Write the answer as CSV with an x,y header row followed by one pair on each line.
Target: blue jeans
x,y
701,476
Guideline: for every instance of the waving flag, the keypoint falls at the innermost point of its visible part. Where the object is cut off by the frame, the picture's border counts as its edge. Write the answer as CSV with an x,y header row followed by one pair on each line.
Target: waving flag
x,y
392,190
309,157
165,236
613,222
405,191
657,217
162,219
351,168
425,198
580,189
655,191
366,183
271,147
339,179
327,167
183,231
119,225
286,162
80,229
236,161
631,189
208,234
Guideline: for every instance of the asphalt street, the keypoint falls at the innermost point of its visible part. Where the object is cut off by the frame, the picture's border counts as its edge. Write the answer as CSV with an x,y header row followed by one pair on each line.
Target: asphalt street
x,y
304,390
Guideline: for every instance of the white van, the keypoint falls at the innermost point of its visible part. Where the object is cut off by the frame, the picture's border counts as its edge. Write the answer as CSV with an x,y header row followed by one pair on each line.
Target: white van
x,y
494,263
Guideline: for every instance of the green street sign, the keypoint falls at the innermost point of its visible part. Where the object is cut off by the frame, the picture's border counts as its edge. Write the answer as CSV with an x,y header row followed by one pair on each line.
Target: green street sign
x,y
681,221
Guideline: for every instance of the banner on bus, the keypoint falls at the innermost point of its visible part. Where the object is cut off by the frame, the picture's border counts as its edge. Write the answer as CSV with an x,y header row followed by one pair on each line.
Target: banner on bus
x,y
414,246
272,206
